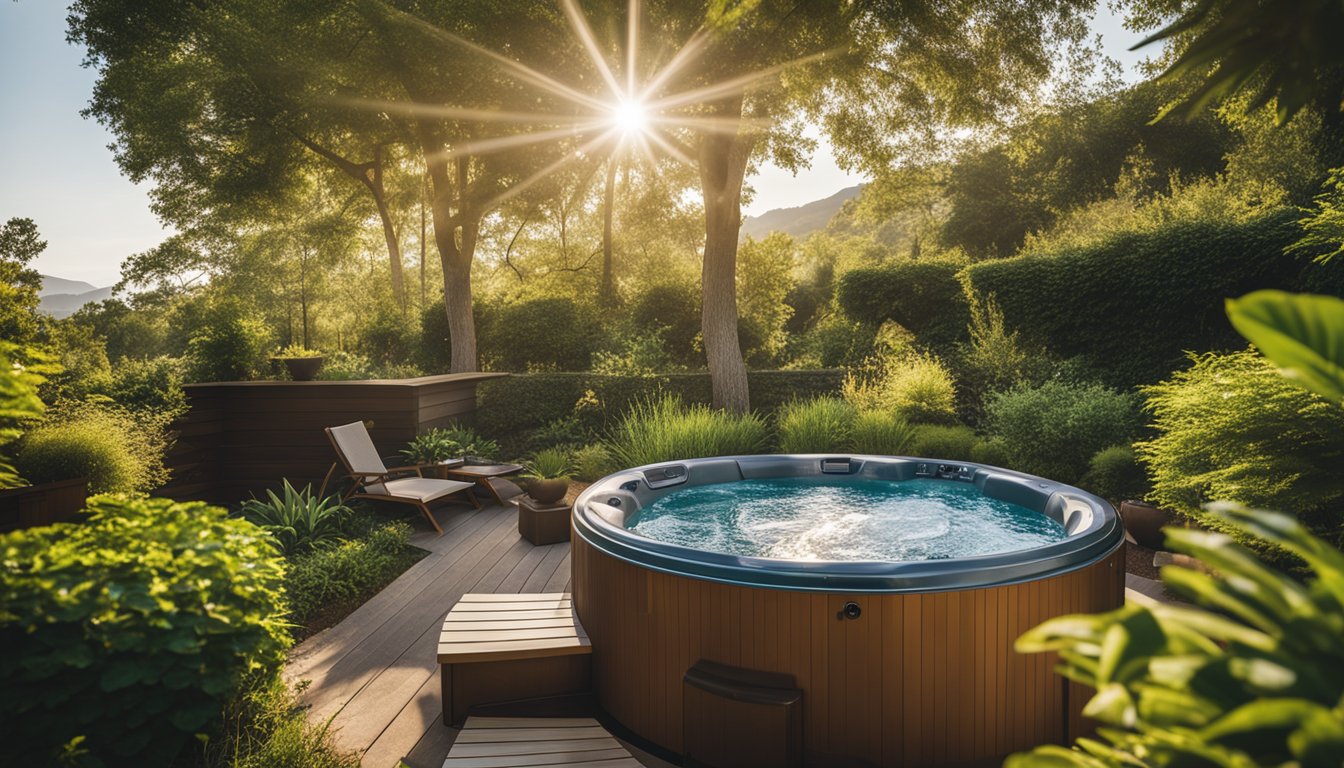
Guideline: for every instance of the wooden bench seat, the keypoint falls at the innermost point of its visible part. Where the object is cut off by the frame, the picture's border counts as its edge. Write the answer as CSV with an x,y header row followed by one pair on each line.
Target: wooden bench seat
x,y
501,648
559,742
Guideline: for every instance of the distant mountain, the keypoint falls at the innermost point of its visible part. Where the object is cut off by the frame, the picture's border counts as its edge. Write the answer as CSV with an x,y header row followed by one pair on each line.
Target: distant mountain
x,y
800,221
52,285
61,298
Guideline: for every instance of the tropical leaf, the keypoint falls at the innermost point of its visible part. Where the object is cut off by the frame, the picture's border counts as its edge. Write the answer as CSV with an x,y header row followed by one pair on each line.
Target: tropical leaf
x,y
1301,333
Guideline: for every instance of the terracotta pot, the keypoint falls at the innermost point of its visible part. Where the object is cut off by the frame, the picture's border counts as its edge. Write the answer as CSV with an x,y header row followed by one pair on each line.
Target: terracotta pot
x,y
303,368
1145,522
548,491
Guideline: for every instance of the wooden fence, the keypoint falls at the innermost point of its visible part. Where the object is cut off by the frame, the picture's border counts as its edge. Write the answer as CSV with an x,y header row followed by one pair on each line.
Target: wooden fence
x,y
238,438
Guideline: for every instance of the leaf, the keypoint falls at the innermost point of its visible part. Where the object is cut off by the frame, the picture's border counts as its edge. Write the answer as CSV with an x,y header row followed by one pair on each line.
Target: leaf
x,y
1301,333
1261,715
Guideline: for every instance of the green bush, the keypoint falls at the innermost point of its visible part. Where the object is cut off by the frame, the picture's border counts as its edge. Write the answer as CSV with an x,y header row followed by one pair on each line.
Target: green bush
x,y
881,434
148,385
133,628
299,520
19,403
819,425
834,342
118,451
663,429
1132,304
1251,675
992,452
1053,430
995,359
672,311
924,296
918,388
345,573
539,334
265,727
520,404
592,462
1116,474
228,348
1232,428
937,441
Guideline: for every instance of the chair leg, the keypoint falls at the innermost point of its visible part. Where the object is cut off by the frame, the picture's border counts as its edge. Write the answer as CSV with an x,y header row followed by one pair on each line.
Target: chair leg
x,y
425,508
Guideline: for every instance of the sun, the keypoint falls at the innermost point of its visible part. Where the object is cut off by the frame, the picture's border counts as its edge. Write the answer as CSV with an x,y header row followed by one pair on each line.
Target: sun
x,y
630,117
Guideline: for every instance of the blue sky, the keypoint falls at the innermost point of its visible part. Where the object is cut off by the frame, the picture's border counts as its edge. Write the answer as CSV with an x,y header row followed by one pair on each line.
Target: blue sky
x,y
58,170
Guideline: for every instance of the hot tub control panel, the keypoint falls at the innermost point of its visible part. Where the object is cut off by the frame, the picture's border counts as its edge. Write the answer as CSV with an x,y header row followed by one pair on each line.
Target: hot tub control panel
x,y
945,471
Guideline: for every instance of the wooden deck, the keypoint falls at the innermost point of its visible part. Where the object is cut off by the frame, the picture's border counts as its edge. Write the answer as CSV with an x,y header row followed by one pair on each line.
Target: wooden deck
x,y
376,674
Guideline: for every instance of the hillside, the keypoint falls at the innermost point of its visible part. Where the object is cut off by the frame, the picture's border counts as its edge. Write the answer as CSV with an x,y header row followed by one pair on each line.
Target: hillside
x,y
60,297
802,220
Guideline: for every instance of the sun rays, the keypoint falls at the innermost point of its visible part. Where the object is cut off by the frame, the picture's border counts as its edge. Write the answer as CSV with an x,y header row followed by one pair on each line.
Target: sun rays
x,y
632,113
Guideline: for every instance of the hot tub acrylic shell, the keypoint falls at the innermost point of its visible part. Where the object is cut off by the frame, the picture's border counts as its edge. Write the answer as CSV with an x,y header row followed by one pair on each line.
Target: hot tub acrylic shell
x,y
925,675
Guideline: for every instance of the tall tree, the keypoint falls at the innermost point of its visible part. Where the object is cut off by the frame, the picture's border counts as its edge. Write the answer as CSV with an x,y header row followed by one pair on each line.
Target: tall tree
x,y
19,282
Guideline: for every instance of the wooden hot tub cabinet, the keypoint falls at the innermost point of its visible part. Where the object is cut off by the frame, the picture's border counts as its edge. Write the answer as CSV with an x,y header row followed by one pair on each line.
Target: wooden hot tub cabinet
x,y
927,679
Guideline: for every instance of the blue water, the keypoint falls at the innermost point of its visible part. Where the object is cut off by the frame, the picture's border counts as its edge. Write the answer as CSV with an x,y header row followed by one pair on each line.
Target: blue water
x,y
845,519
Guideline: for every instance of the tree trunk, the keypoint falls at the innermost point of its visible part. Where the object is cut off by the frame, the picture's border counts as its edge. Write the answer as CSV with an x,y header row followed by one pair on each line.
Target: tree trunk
x,y
608,289
723,166
456,256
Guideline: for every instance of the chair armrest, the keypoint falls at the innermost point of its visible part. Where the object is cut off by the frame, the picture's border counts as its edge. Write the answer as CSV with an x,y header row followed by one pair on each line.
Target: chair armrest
x,y
409,468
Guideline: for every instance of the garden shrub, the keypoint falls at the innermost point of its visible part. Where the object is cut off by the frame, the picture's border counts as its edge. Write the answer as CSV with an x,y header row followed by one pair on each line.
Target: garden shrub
x,y
117,450
539,334
1233,428
352,366
881,434
1132,304
925,296
992,452
672,311
592,462
663,429
299,520
834,342
133,628
938,441
1115,474
918,388
819,425
265,727
1054,430
229,347
521,403
347,572
995,359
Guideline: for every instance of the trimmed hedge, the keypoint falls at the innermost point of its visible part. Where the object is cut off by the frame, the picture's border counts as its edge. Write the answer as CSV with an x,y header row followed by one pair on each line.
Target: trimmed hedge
x,y
132,629
924,297
1131,306
506,407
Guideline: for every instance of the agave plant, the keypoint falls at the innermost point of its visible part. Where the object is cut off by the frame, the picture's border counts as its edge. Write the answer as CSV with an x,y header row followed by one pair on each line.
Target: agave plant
x,y
432,447
299,520
1251,675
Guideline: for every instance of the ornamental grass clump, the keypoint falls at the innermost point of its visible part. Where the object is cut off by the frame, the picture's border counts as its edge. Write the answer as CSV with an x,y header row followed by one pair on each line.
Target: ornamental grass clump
x,y
118,450
819,425
127,633
881,434
663,429
300,520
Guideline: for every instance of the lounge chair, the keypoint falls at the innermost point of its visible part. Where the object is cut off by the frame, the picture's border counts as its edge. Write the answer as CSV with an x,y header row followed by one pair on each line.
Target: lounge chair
x,y
375,481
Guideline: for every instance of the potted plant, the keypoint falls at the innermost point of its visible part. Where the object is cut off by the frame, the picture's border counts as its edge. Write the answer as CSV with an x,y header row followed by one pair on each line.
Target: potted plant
x,y
301,362
431,448
548,475
472,447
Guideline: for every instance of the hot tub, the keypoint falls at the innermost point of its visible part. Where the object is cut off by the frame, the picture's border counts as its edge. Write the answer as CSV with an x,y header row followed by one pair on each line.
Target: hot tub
x,y
890,589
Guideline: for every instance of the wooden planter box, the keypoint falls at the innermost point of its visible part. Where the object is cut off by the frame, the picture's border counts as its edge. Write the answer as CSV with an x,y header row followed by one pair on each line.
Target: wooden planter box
x,y
43,504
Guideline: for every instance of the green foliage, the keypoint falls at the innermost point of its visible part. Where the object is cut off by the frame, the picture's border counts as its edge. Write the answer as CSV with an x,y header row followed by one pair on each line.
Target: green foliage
x,y
834,342
539,334
1131,305
994,360
1253,675
469,441
265,727
518,404
820,425
592,462
1232,428
764,280
19,403
19,283
1302,334
1323,226
924,296
1115,474
671,310
991,451
352,366
153,385
296,350
881,434
641,354
555,463
346,573
132,628
663,429
118,450
230,347
938,441
918,388
432,447
1053,430
299,520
